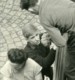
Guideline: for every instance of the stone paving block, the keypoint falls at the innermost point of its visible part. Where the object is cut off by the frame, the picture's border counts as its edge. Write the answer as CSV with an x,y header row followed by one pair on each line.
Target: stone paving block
x,y
12,32
9,6
5,33
21,25
16,2
1,19
10,2
14,25
0,12
3,54
2,40
8,17
7,10
9,29
2,49
4,1
19,33
14,35
11,46
1,45
4,4
17,29
3,58
7,37
4,21
9,41
18,21
19,13
18,44
4,15
1,15
5,45
23,16
14,18
1,8
16,39
1,3
16,8
1,36
12,13
29,17
25,21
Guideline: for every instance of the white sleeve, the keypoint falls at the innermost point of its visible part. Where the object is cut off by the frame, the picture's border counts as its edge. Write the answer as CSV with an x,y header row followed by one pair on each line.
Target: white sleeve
x,y
38,76
38,69
5,70
33,69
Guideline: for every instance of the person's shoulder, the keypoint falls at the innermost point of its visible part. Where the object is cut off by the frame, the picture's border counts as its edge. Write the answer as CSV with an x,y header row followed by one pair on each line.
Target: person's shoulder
x,y
6,65
6,69
32,63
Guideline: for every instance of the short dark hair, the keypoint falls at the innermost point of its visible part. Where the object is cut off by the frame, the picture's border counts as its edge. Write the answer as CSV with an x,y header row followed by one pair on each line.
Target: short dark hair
x,y
25,4
16,55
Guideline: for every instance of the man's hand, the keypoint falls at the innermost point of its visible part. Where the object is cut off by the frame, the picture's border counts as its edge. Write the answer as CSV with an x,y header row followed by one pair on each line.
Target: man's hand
x,y
53,46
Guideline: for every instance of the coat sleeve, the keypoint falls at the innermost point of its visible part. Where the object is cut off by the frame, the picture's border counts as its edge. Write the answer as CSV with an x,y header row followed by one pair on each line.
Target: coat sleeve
x,y
47,61
56,36
54,32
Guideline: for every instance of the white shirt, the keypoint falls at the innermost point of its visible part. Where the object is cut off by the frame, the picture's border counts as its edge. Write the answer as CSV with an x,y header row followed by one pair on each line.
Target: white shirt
x,y
31,71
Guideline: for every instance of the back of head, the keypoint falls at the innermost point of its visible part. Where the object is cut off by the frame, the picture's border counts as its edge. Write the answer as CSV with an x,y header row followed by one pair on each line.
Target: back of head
x,y
16,55
29,30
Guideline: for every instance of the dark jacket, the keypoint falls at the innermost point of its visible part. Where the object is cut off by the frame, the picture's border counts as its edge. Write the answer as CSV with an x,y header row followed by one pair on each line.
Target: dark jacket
x,y
42,55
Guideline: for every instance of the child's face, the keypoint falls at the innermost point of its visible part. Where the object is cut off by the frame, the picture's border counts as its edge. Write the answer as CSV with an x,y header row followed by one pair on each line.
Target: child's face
x,y
34,40
45,39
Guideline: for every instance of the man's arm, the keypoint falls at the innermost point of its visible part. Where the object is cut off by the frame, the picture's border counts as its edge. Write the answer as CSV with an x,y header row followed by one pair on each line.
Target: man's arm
x,y
43,61
56,36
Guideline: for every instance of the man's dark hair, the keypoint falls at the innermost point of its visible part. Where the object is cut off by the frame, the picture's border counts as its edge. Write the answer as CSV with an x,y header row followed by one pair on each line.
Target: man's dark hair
x,y
25,4
17,56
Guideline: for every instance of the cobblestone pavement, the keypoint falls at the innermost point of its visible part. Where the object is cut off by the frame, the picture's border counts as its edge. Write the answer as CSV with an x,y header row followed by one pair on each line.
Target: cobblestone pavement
x,y
12,19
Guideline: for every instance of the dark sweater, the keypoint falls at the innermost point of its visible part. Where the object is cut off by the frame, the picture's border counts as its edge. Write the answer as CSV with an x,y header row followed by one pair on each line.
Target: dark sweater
x,y
42,55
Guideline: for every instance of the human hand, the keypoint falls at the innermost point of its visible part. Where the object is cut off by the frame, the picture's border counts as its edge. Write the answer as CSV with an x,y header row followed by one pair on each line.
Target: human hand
x,y
53,46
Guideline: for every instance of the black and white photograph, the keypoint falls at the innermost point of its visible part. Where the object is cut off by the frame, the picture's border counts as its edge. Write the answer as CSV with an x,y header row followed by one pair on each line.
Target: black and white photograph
x,y
37,39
